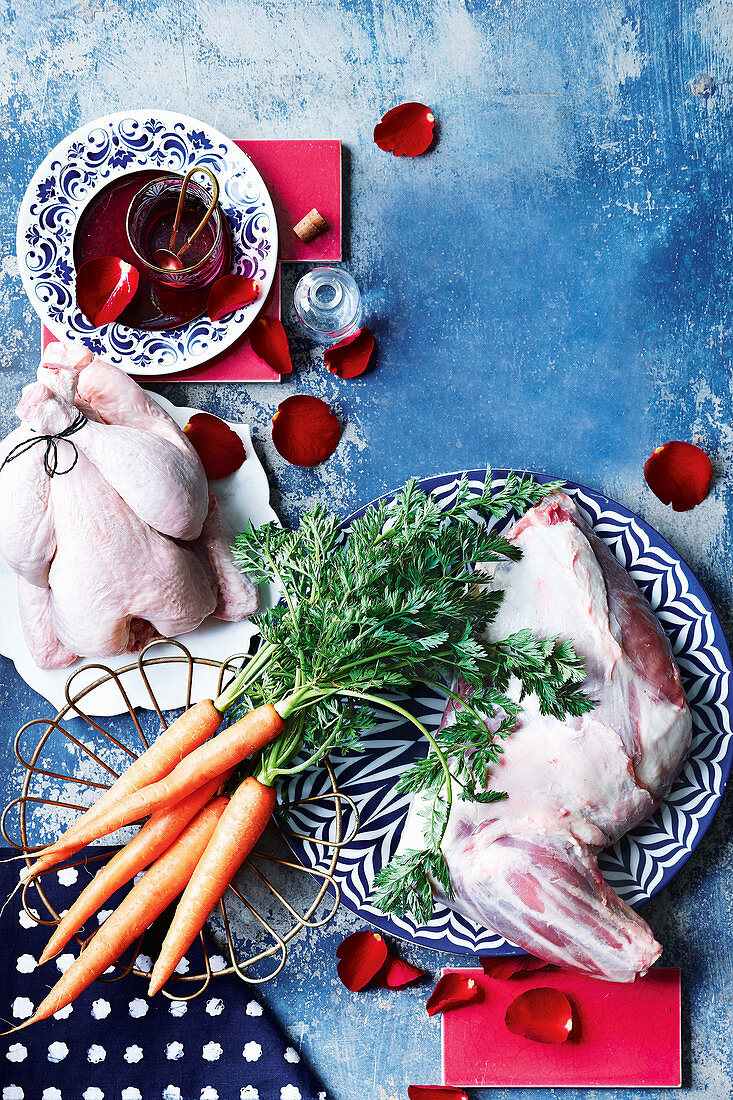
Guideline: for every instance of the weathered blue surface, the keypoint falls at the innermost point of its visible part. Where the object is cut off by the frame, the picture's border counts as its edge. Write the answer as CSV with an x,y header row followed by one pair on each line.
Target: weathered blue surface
x,y
550,289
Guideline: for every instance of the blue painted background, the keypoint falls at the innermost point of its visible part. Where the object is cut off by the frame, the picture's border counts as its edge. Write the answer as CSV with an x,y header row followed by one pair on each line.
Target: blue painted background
x,y
550,288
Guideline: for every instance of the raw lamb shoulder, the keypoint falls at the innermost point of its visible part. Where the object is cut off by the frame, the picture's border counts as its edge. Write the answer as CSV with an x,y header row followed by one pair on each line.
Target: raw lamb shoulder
x,y
126,546
527,867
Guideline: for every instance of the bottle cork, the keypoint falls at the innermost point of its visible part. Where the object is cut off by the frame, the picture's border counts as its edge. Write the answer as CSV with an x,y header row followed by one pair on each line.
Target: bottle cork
x,y
310,227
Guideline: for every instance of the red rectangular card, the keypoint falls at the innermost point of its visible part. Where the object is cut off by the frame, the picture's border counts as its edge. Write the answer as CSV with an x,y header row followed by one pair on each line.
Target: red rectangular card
x,y
301,175
624,1036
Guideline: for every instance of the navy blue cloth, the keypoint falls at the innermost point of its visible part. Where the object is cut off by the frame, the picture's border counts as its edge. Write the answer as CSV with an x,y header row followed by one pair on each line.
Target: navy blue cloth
x,y
116,1044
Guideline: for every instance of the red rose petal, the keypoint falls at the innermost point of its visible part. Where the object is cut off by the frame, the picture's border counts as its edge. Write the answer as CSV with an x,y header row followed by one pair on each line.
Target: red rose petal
x,y
406,130
350,357
452,991
435,1092
104,287
229,293
360,956
503,969
304,430
396,973
220,449
544,1015
679,474
269,341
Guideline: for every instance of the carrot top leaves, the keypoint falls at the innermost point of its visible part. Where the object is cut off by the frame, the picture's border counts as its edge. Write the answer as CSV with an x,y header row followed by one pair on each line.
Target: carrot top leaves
x,y
370,612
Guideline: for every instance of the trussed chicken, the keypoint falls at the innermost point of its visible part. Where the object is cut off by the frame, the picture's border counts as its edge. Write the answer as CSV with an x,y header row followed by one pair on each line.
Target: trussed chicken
x,y
128,544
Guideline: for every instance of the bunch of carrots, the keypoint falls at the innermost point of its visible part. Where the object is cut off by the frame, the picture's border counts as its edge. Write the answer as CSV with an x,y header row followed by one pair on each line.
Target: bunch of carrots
x,y
393,604
192,843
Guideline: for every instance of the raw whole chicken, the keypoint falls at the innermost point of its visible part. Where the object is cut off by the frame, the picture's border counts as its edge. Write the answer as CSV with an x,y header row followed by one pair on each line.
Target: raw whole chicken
x,y
527,867
129,543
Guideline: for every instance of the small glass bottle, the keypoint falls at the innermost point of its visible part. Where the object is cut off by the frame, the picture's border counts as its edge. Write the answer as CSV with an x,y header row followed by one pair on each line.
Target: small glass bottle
x,y
328,304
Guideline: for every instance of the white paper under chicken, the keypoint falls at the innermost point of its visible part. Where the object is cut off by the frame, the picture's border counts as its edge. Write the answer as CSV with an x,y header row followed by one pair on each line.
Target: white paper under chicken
x,y
527,867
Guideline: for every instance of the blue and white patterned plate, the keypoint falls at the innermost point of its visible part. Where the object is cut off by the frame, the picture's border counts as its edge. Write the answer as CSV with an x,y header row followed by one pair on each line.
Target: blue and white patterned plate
x,y
643,860
96,155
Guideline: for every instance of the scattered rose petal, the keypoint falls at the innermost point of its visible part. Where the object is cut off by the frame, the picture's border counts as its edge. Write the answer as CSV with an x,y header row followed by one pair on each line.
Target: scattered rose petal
x,y
435,1092
350,357
104,287
507,968
229,293
269,341
679,474
304,430
396,973
452,991
220,449
406,130
544,1015
360,956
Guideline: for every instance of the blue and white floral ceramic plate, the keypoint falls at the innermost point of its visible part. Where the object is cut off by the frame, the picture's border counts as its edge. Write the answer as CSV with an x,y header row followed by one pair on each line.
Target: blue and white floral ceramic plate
x,y
643,860
96,155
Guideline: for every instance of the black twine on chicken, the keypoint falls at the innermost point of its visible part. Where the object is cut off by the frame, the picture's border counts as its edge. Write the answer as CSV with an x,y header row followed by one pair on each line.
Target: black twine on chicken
x,y
51,456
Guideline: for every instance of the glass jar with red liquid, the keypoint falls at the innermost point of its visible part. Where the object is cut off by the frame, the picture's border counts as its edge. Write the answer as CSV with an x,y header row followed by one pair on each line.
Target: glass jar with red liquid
x,y
150,222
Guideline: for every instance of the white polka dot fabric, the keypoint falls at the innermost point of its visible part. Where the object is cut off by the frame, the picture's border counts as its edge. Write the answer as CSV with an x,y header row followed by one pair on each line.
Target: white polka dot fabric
x,y
114,1043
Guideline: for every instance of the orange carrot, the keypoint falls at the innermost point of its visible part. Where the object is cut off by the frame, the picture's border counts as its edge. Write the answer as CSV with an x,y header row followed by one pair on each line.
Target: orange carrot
x,y
239,829
226,750
154,838
189,730
158,887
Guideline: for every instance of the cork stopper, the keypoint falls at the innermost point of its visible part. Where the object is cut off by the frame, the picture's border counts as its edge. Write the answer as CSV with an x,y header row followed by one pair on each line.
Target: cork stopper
x,y
310,227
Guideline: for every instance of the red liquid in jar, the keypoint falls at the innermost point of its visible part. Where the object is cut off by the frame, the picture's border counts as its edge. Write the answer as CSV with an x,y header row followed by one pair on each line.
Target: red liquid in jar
x,y
161,227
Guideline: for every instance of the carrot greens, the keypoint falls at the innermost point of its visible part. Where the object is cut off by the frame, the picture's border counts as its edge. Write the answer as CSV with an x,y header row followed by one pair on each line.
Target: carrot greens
x,y
367,614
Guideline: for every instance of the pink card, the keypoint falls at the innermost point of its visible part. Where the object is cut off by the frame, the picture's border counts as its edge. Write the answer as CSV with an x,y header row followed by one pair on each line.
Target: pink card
x,y
299,176
624,1035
